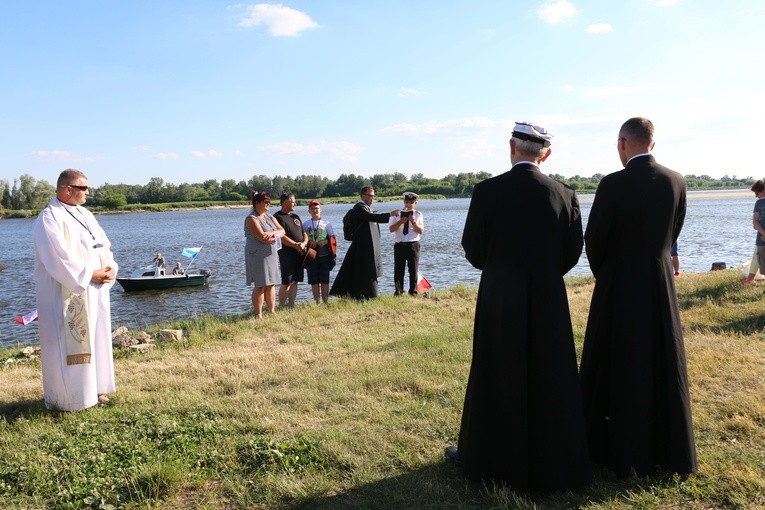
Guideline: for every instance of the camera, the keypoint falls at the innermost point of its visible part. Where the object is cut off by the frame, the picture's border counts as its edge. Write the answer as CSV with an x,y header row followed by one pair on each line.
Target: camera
x,y
406,214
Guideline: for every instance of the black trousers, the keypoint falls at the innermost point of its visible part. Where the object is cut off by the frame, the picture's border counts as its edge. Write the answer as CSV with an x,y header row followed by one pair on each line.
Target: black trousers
x,y
406,254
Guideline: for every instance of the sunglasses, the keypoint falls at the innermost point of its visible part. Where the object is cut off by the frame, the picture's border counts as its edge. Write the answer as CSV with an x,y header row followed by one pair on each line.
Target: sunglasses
x,y
76,186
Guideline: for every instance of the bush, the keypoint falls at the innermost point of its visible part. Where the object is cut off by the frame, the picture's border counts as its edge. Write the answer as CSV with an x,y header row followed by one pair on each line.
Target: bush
x,y
114,201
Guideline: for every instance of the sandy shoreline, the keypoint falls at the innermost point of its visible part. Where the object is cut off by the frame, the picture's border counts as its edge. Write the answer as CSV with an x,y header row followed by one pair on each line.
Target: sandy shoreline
x,y
692,195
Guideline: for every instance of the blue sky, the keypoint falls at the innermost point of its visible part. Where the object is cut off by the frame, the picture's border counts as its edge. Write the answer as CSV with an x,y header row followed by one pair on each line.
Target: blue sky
x,y
193,90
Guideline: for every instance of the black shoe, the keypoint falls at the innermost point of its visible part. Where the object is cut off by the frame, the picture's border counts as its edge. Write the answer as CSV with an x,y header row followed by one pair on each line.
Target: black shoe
x,y
452,455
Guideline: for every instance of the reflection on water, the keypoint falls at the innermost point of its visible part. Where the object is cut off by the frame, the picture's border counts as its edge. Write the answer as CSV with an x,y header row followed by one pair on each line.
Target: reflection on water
x,y
718,228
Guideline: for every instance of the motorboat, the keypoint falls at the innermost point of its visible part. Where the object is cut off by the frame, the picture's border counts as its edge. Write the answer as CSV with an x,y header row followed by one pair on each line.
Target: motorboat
x,y
154,277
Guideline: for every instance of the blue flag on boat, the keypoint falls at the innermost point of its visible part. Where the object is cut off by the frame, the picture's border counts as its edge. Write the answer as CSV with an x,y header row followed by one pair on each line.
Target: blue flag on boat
x,y
191,252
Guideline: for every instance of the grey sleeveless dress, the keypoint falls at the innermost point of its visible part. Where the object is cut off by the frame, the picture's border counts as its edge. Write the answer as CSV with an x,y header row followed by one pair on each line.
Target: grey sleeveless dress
x,y
261,260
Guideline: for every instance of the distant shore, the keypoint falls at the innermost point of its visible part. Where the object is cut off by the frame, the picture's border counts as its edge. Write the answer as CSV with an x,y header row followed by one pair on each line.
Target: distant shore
x,y
584,196
701,194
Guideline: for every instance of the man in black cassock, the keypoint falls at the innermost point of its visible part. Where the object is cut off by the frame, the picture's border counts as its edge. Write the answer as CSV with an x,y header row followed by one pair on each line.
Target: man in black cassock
x,y
634,377
522,422
362,264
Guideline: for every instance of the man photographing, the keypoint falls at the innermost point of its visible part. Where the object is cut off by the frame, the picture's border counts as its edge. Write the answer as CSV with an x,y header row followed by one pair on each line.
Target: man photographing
x,y
407,229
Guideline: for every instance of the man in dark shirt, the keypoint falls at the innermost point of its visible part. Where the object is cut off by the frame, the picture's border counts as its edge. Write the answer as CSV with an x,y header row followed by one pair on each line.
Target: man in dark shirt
x,y
293,248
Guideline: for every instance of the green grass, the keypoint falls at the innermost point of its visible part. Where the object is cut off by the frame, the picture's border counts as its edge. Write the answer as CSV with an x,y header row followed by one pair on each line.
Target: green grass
x,y
349,405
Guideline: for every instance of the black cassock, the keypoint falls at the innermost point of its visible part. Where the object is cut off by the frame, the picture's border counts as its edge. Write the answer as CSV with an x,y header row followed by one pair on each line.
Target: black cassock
x,y
634,376
362,264
522,422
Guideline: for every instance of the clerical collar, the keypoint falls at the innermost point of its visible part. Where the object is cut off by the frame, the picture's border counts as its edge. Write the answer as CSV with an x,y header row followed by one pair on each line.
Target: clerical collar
x,y
526,163
637,156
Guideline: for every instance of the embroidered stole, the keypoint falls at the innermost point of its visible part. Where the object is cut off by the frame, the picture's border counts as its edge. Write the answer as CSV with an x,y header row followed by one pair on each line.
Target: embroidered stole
x,y
75,308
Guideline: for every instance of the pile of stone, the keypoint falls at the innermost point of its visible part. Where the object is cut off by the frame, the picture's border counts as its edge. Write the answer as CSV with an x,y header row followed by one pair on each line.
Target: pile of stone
x,y
122,338
141,340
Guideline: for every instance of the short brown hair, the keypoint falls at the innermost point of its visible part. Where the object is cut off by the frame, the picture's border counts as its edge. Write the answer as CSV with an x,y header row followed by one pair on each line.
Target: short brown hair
x,y
68,176
758,186
639,129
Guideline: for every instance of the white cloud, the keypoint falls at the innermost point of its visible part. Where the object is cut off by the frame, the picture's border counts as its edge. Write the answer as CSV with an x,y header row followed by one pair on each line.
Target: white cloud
x,y
202,154
557,12
66,156
167,155
622,90
408,91
142,148
558,120
341,151
280,20
452,126
618,90
599,28
474,148
665,3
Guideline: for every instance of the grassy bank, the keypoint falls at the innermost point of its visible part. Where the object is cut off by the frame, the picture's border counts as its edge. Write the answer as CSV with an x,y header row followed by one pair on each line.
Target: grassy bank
x,y
350,405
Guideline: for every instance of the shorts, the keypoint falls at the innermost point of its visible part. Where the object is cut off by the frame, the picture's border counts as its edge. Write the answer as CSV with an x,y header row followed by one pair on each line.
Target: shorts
x,y
673,250
318,270
290,266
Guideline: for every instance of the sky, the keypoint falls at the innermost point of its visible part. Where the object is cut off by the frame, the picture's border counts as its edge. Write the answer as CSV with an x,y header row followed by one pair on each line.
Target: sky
x,y
191,90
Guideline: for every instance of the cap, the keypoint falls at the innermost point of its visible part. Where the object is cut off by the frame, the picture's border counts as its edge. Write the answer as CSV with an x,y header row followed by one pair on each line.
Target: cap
x,y
410,195
313,203
532,133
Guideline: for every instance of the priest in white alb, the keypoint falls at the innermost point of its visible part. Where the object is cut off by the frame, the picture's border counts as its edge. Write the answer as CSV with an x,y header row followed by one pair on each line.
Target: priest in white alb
x,y
74,271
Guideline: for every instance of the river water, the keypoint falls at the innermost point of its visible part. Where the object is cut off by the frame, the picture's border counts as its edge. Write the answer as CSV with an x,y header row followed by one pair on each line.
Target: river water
x,y
718,228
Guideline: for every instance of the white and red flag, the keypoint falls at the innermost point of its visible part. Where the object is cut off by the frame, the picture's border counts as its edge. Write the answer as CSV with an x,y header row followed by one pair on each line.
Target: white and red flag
x,y
423,285
26,319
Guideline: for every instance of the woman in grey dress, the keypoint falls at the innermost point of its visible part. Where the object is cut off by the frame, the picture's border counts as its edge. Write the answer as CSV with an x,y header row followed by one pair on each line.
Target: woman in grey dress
x,y
263,236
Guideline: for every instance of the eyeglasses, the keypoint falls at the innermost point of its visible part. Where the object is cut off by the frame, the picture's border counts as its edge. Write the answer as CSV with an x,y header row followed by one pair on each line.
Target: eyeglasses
x,y
76,186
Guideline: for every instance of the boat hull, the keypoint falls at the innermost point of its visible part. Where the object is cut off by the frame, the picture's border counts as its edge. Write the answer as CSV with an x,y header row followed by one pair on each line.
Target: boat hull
x,y
162,282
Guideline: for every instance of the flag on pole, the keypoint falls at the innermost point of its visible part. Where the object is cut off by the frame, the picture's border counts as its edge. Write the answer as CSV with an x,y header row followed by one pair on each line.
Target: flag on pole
x,y
423,285
26,319
191,252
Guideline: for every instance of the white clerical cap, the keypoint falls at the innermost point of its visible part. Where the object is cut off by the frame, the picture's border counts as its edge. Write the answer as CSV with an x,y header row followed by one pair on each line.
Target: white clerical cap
x,y
532,133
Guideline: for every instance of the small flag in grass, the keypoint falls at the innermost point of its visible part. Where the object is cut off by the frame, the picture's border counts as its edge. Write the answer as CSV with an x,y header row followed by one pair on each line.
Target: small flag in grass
x,y
423,285
26,319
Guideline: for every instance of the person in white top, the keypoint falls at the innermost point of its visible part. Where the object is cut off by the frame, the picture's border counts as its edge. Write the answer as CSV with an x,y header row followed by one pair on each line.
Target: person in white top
x,y
407,229
74,270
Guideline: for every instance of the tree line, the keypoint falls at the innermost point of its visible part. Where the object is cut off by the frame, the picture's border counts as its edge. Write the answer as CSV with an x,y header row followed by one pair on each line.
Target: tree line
x,y
27,193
